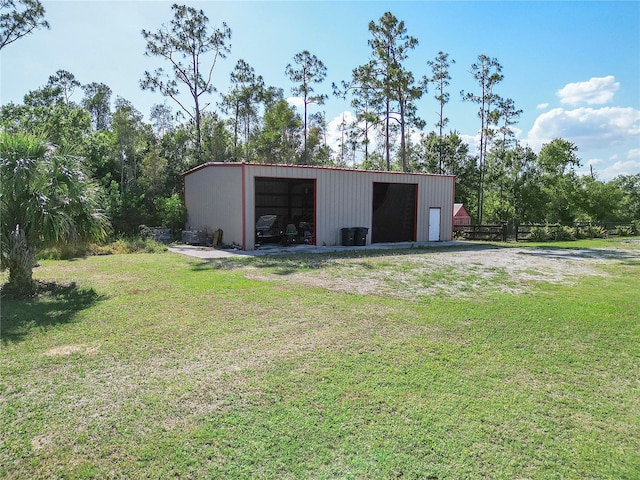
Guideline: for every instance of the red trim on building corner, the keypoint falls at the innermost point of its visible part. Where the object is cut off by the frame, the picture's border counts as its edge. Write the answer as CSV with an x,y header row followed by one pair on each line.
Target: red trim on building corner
x,y
415,212
453,201
315,212
244,211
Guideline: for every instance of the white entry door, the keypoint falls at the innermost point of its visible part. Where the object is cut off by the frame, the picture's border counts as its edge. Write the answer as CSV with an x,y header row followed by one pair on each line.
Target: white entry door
x,y
434,224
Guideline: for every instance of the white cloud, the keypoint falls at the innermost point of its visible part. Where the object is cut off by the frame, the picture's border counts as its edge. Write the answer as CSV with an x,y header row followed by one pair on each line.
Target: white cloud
x,y
517,132
630,167
334,134
473,141
606,170
542,106
334,130
297,102
595,162
634,153
591,163
414,135
596,91
588,128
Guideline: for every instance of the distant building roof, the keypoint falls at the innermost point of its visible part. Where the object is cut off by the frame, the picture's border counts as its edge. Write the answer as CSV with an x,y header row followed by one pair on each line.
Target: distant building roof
x,y
459,210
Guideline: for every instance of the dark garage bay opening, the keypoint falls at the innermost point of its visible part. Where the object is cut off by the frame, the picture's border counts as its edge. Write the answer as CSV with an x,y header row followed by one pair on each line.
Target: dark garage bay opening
x,y
292,200
394,212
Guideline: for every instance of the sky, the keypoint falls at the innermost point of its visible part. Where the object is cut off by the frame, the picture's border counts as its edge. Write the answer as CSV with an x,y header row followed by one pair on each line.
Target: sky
x,y
572,67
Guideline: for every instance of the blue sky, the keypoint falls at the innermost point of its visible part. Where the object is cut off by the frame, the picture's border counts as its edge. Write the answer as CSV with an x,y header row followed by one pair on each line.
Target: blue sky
x,y
572,67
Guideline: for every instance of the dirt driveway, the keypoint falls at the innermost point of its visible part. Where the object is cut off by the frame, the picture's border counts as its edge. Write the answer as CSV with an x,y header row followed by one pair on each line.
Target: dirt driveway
x,y
457,268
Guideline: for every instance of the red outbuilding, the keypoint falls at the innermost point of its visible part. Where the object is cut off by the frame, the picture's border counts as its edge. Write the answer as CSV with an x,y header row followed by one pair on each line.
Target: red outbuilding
x,y
461,218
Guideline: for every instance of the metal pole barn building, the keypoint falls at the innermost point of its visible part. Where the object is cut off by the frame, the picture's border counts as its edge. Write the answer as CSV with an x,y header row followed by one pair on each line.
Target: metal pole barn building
x,y
318,204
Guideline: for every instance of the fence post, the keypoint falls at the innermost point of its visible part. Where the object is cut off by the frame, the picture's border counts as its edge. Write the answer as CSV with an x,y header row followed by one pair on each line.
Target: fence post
x,y
504,231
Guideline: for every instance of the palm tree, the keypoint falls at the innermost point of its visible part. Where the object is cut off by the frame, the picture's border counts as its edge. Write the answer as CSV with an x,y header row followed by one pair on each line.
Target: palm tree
x,y
45,197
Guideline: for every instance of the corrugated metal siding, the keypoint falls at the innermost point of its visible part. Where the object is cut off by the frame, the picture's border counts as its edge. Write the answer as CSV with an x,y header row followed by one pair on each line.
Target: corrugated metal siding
x,y
344,198
253,171
213,197
438,193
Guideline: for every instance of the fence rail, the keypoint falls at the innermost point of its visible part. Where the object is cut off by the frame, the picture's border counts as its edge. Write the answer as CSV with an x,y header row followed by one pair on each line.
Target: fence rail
x,y
588,229
523,233
494,233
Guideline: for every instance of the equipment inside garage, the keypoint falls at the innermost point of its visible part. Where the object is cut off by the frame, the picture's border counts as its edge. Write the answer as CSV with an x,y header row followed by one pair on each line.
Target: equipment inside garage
x,y
284,210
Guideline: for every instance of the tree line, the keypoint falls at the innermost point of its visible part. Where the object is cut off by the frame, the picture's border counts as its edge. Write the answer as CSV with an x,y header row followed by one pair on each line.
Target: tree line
x,y
138,164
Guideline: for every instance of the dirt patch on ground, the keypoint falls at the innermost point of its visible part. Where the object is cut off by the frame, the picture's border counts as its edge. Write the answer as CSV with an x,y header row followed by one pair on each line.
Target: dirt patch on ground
x,y
449,272
41,442
66,350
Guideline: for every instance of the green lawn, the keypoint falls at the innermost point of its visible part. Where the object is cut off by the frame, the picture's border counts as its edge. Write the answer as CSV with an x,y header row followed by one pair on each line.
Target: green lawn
x,y
159,366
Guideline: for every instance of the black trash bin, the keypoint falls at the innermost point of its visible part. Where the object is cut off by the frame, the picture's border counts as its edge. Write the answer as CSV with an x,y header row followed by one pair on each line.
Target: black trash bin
x,y
348,236
360,237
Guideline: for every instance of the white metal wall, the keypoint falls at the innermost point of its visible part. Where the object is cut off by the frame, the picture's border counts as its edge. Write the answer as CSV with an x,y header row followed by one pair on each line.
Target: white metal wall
x,y
438,192
213,197
344,198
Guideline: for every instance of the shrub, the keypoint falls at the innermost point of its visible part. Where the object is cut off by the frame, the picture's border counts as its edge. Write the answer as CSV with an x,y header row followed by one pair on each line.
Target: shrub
x,y
127,245
554,232
117,247
581,233
598,231
172,212
625,230
591,231
64,251
562,233
539,234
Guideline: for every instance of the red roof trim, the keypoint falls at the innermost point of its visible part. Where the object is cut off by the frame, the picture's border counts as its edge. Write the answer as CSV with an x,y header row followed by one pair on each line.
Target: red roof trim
x,y
309,167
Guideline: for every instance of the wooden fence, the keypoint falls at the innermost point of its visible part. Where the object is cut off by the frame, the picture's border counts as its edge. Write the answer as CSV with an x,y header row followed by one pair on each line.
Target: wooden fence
x,y
522,233
493,233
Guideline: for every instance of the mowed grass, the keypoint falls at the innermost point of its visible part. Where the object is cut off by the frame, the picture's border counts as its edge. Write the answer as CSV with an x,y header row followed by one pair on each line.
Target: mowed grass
x,y
161,366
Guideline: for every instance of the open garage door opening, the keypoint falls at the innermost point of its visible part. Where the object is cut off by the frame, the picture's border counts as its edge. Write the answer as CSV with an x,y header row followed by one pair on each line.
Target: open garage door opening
x,y
394,212
285,210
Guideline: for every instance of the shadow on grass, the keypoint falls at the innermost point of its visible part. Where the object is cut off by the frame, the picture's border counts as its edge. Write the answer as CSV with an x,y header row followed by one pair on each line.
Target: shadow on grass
x,y
288,263
292,262
624,257
53,304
